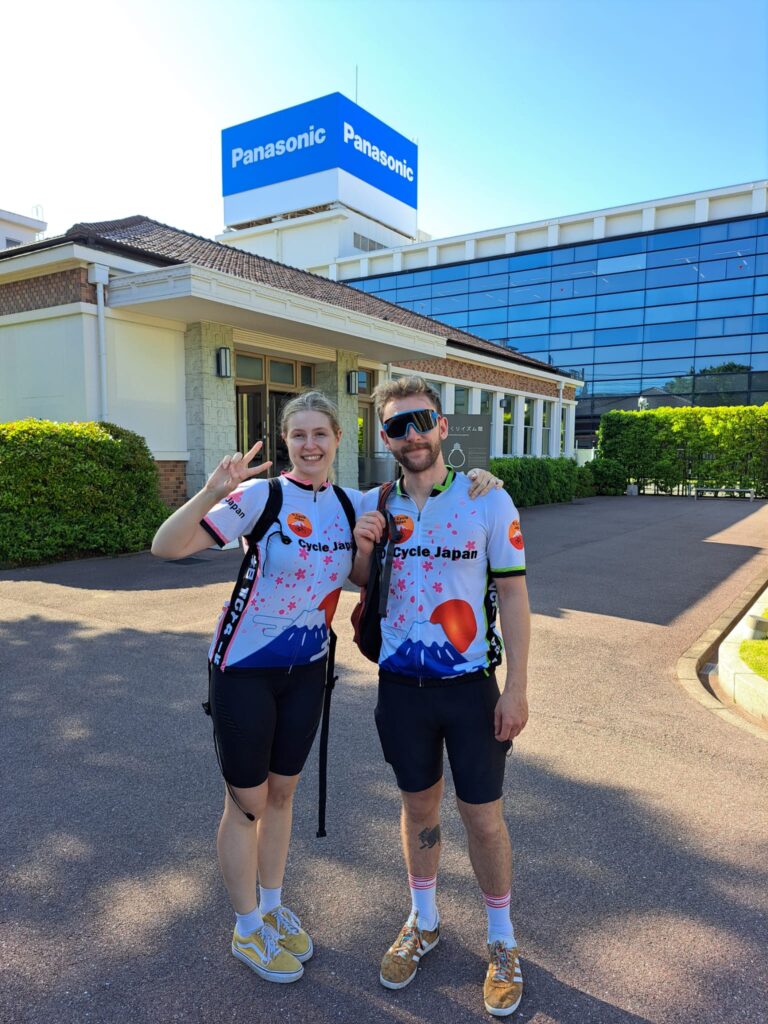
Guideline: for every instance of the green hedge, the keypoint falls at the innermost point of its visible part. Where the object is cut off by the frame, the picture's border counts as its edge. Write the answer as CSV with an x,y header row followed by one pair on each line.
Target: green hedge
x,y
536,481
546,481
74,489
724,446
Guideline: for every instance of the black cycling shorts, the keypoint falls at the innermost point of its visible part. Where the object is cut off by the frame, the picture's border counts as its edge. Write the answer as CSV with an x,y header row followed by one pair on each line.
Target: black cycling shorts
x,y
265,720
414,722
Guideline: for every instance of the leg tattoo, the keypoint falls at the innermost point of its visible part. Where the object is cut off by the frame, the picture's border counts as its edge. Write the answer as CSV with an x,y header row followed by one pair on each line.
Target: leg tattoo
x,y
429,837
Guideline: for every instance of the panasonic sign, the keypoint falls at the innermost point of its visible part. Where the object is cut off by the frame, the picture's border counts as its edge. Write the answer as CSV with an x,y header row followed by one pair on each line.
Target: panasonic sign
x,y
323,135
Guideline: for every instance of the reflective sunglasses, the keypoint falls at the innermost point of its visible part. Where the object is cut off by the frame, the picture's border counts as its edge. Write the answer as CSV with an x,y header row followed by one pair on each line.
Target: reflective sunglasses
x,y
422,420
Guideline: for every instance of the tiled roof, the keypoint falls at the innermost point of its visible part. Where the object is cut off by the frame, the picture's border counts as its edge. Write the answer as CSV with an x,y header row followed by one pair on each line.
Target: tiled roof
x,y
155,240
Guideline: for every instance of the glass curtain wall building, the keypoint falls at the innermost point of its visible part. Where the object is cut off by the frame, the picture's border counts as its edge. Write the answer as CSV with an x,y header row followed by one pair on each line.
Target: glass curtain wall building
x,y
669,317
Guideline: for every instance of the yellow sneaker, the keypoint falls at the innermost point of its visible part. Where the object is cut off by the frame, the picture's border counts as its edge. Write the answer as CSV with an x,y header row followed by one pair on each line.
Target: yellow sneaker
x,y
401,961
503,988
290,933
262,952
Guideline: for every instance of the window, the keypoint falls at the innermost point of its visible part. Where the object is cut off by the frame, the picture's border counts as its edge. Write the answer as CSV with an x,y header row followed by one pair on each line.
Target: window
x,y
528,426
508,425
486,403
461,400
307,375
546,427
281,373
249,367
366,244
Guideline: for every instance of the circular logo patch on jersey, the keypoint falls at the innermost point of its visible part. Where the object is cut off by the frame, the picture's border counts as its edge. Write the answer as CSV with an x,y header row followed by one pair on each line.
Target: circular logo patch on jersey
x,y
299,524
405,525
515,536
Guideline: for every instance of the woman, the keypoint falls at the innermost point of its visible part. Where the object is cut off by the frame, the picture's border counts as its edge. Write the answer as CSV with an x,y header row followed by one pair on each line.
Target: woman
x,y
268,663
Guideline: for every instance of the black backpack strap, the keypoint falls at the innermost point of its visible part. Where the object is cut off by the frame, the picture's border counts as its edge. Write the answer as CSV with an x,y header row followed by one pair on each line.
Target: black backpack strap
x,y
246,577
322,774
349,512
270,513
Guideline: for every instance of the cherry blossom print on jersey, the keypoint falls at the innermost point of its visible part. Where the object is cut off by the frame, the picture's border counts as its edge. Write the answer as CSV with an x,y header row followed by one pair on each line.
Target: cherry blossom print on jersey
x,y
303,559
442,607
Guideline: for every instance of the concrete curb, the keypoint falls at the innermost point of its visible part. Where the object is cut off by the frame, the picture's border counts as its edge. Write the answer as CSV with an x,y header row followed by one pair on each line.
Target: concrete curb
x,y
705,651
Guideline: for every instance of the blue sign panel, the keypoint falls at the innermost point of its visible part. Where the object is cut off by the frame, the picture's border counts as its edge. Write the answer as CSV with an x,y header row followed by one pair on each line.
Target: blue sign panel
x,y
321,135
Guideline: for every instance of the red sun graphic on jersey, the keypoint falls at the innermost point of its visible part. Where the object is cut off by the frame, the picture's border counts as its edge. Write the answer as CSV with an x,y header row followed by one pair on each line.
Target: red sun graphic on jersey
x,y
328,606
515,537
405,526
299,524
458,621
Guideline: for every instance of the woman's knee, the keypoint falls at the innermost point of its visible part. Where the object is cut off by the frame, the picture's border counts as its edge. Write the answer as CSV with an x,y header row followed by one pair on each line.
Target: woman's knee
x,y
280,790
239,803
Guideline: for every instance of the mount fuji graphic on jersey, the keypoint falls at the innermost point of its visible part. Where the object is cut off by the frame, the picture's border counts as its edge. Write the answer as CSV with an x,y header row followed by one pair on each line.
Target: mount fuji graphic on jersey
x,y
299,641
424,651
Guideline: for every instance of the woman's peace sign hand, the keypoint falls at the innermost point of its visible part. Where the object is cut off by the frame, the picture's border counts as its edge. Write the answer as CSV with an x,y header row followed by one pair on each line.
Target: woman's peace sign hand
x,y
233,470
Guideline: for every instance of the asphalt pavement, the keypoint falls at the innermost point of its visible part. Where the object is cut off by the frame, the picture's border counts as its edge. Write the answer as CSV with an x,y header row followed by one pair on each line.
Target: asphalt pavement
x,y
639,816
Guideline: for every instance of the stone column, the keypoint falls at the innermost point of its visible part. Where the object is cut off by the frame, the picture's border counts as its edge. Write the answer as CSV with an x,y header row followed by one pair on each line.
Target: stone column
x,y
331,379
211,412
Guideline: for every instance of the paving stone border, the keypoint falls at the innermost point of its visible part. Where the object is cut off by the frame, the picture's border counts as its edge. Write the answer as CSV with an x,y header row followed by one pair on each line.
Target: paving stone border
x,y
720,698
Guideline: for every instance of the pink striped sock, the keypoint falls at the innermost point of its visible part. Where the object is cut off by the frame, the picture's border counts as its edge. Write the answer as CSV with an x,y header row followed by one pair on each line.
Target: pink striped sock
x,y
499,920
423,893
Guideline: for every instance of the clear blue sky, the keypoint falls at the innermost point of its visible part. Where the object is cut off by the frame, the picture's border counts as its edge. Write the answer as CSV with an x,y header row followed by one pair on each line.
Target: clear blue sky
x,y
522,109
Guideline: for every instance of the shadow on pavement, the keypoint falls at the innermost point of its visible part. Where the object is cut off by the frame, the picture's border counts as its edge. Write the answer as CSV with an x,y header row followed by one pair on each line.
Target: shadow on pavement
x,y
653,556
113,908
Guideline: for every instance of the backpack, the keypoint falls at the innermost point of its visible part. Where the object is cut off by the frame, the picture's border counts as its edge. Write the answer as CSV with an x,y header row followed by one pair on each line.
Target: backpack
x,y
372,606
238,602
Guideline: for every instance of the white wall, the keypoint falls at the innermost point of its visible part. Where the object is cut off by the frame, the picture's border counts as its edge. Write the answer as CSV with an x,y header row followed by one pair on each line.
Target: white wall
x,y
146,388
42,368
49,369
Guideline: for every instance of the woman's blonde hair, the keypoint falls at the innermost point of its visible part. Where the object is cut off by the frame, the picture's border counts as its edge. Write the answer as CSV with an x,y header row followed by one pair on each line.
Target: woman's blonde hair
x,y
310,401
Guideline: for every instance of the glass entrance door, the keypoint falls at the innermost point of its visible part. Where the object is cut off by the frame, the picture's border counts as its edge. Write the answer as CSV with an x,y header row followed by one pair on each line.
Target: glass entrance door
x,y
250,417
278,450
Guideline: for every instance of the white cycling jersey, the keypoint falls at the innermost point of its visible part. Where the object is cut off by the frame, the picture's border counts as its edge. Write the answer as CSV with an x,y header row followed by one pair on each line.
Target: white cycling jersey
x,y
442,596
305,556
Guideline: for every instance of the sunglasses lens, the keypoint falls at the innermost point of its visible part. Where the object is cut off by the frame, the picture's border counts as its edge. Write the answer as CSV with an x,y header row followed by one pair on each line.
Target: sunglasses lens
x,y
423,420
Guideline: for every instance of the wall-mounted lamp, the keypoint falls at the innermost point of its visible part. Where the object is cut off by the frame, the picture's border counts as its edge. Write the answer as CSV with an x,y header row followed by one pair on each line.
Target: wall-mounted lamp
x,y
353,383
223,362
506,403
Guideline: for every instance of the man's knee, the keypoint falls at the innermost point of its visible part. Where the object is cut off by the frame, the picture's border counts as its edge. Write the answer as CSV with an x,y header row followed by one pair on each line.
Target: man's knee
x,y
484,822
424,804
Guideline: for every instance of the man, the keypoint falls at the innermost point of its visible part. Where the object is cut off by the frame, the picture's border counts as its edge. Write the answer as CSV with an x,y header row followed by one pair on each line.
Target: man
x,y
454,563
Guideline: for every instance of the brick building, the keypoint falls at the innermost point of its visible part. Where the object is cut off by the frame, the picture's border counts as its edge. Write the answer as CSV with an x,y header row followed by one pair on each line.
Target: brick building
x,y
195,345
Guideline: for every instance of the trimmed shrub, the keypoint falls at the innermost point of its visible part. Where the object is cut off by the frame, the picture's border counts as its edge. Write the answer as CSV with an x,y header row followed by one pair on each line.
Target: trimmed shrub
x,y
609,476
74,489
723,446
537,481
585,481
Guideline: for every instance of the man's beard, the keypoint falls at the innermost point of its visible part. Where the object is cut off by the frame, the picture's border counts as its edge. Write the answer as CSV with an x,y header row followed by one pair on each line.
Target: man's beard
x,y
419,458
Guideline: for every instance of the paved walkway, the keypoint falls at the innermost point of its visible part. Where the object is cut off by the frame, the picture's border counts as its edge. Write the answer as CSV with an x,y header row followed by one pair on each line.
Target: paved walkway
x,y
639,817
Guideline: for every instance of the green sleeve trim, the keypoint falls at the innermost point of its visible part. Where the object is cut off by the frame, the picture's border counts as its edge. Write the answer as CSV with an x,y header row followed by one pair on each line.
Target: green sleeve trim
x,y
515,570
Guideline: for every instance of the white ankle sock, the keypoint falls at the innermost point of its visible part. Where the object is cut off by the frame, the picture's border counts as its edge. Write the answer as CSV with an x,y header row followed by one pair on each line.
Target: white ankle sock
x,y
247,923
423,893
269,899
499,920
